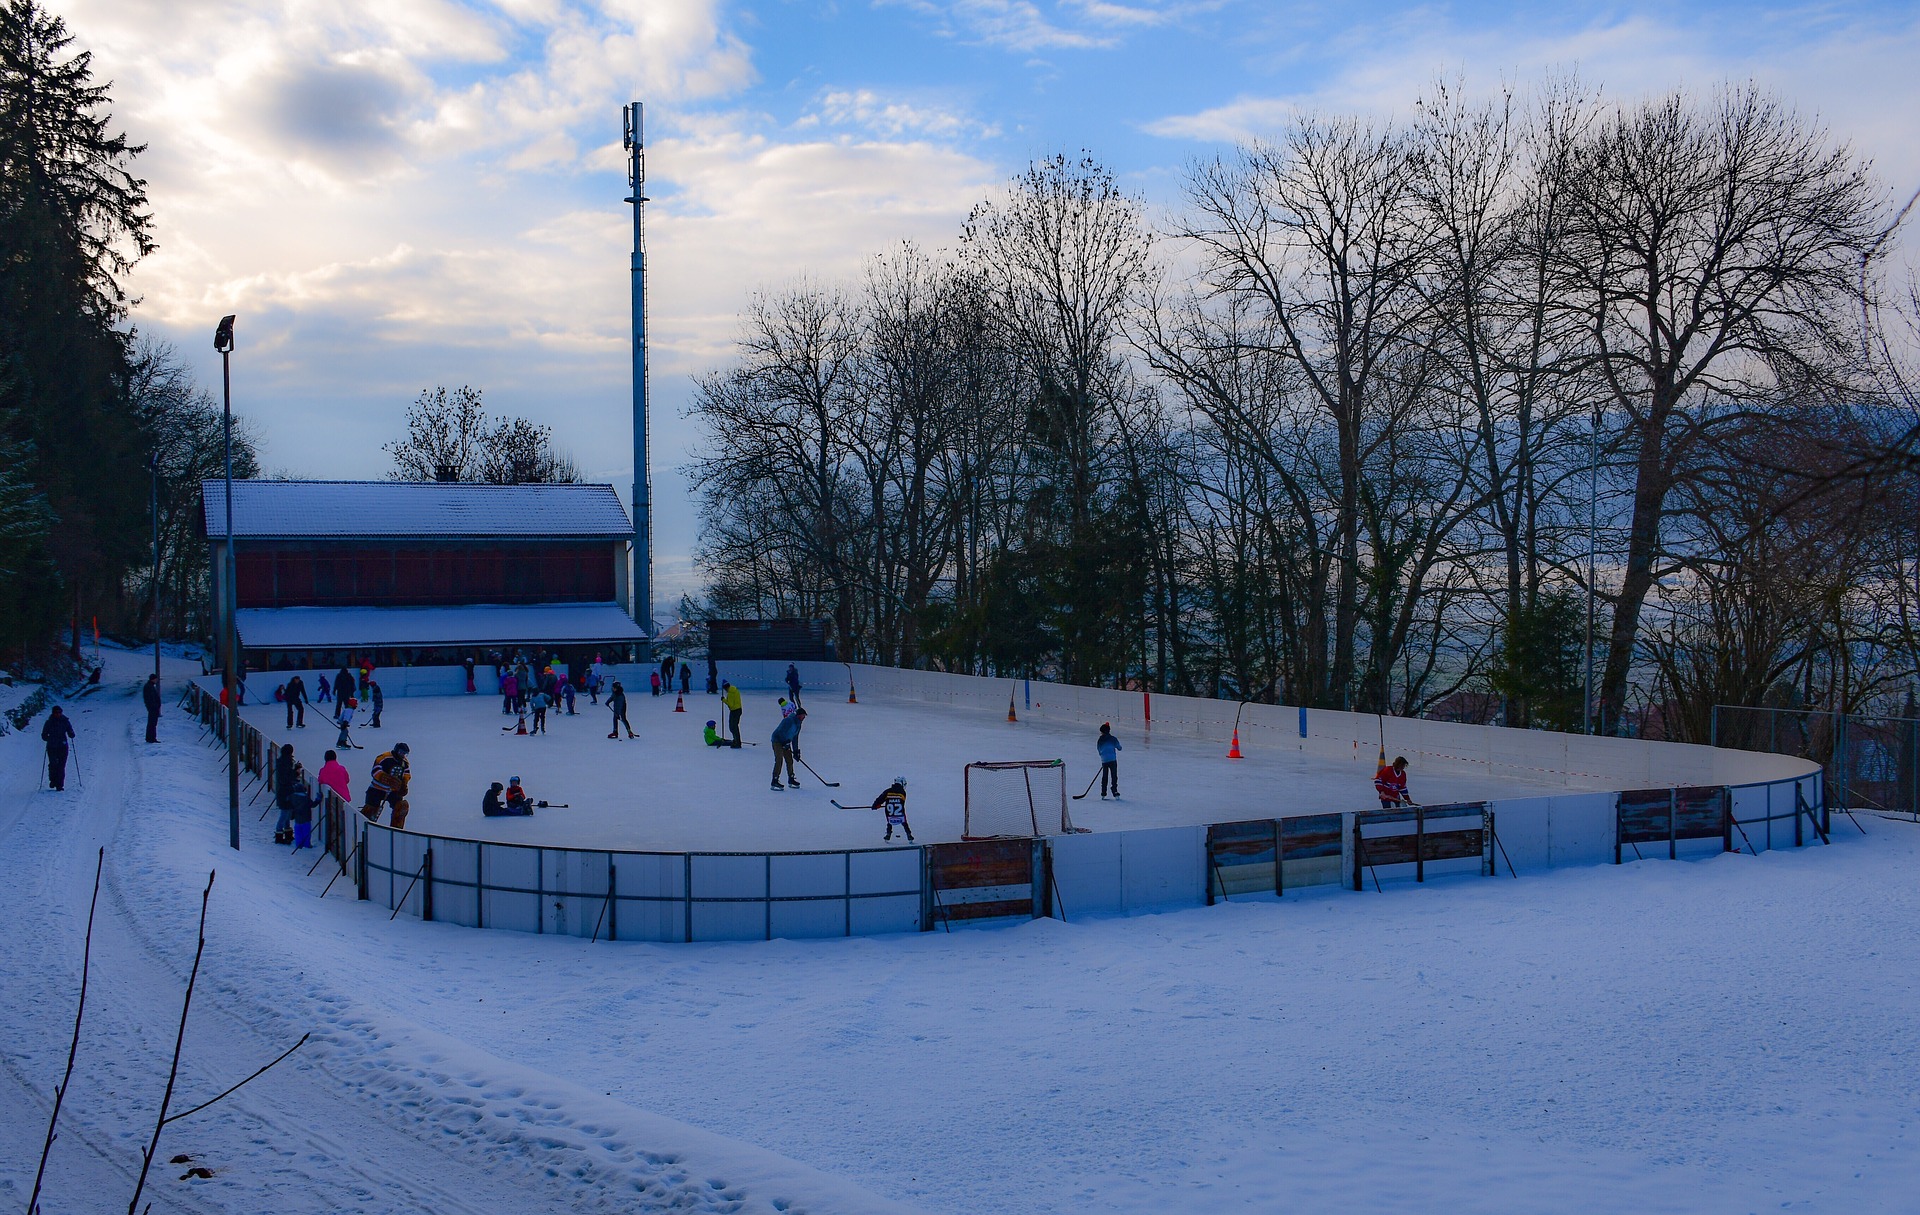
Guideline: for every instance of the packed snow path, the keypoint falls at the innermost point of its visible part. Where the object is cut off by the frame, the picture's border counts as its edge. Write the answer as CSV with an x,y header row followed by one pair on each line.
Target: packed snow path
x,y
1727,1035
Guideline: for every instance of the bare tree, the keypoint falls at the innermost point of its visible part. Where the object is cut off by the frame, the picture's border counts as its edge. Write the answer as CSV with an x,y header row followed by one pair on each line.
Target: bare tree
x,y
1713,253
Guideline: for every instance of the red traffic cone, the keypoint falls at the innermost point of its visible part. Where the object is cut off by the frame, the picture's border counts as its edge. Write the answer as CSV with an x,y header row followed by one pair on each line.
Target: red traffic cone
x,y
1234,752
522,726
679,703
1010,715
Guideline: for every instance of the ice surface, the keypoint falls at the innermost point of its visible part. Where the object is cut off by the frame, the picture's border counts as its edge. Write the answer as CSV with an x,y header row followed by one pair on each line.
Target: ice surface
x,y
667,790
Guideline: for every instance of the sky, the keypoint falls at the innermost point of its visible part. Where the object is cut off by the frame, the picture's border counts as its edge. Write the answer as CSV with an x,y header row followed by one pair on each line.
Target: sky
x,y
397,194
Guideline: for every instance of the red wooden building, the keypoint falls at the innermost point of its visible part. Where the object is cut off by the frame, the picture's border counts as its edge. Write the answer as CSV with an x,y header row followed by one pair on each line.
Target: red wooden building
x,y
420,573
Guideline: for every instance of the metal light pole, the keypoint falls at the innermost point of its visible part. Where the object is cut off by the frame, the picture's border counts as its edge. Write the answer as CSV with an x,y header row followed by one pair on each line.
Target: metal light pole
x,y
153,504
633,139
229,599
1593,531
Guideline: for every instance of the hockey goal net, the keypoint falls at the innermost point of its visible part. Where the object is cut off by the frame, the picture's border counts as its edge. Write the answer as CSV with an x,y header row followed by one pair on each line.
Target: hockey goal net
x,y
1016,798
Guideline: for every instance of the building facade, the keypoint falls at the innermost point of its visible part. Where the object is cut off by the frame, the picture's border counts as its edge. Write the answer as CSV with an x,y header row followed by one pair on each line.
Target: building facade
x,y
399,573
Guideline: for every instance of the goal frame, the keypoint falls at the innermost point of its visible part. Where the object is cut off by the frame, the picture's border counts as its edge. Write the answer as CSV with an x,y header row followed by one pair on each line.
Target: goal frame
x,y
1040,776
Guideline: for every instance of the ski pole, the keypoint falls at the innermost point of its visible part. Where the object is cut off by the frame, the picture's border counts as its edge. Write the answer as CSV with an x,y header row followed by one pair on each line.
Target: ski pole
x,y
81,780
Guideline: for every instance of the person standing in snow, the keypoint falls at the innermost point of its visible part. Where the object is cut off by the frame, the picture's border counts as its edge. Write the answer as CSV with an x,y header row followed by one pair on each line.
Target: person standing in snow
x,y
296,703
786,747
686,679
793,684
1109,748
379,702
150,696
617,701
893,801
541,702
1390,782
55,734
467,664
730,697
283,780
333,775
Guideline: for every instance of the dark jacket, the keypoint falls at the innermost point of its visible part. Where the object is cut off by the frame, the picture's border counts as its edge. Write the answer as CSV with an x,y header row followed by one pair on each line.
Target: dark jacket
x,y
296,690
150,694
283,782
57,731
490,803
342,684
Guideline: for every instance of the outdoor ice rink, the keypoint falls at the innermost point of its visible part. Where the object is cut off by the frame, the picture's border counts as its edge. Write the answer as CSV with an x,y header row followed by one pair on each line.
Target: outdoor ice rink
x,y
667,791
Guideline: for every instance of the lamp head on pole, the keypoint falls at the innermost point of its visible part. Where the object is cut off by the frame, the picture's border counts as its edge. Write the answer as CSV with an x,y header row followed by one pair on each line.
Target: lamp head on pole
x,y
223,336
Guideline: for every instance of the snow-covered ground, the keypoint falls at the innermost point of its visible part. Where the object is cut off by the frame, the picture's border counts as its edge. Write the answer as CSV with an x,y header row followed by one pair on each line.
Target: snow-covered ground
x,y
1728,1035
668,790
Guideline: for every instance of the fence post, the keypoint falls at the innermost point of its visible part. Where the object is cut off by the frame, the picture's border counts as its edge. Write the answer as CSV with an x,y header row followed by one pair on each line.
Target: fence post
x,y
426,892
1726,820
1279,863
1419,844
1673,824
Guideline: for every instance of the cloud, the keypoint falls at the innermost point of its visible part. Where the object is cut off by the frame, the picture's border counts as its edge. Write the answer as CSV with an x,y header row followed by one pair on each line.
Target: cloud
x,y
1856,75
1015,25
892,117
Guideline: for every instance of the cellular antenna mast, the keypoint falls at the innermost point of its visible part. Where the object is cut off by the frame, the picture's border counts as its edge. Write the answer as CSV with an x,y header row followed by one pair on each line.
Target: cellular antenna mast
x,y
633,139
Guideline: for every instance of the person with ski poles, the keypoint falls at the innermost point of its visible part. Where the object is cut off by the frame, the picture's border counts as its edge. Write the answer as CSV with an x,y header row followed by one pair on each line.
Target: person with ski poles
x,y
55,734
617,701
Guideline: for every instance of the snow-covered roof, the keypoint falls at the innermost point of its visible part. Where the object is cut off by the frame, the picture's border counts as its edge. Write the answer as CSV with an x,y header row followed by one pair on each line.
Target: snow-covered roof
x,y
329,628
302,509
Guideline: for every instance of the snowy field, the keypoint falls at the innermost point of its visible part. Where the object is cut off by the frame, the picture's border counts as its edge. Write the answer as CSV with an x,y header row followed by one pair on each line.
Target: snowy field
x,y
1732,1035
668,790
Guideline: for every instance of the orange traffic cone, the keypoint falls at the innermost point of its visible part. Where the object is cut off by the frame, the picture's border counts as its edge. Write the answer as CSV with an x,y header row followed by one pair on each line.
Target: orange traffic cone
x,y
1010,716
679,703
522,724
1234,753
851,699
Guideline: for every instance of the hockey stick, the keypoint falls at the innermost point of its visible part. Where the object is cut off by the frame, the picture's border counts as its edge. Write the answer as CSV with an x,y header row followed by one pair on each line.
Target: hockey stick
x,y
830,801
831,784
1088,789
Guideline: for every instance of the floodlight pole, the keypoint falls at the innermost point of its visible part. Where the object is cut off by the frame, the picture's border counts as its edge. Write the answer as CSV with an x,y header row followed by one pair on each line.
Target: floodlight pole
x,y
229,599
153,505
1593,531
633,139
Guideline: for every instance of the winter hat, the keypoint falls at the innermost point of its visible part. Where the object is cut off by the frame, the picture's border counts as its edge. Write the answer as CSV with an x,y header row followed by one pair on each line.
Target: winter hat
x,y
710,725
495,787
1106,727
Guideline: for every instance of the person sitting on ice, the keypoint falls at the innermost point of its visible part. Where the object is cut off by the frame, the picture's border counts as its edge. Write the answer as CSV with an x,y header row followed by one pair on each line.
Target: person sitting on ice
x,y
1390,782
713,735
493,806
517,801
894,803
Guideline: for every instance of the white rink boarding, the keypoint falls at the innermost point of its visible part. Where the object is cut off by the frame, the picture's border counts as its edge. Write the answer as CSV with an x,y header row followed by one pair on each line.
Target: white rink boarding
x,y
668,796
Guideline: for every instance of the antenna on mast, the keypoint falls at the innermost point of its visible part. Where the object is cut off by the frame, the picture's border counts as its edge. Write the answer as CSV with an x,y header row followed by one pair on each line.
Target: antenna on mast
x,y
633,140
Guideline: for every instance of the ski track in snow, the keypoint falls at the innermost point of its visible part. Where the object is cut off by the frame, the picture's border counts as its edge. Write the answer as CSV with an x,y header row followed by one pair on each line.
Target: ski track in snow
x,y
1727,1035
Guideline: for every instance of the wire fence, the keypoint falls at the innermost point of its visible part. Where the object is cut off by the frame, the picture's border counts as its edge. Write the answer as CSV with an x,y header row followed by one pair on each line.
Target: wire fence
x,y
1871,762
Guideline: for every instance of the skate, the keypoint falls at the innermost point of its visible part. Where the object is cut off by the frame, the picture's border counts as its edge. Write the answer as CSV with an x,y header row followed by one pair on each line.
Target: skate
x,y
792,783
778,787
